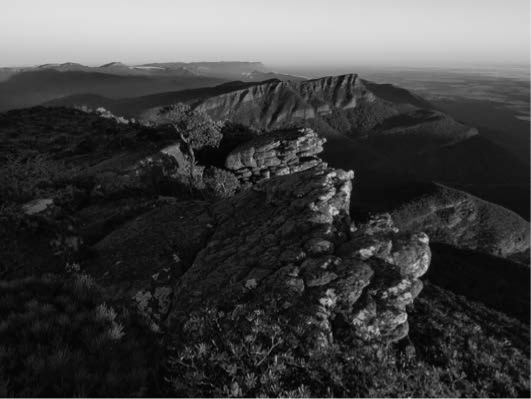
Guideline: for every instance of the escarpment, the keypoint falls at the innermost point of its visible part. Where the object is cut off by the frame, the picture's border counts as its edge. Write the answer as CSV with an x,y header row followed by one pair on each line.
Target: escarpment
x,y
291,236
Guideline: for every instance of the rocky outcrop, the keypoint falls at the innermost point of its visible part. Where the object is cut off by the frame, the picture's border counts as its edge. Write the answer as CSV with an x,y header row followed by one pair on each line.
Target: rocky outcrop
x,y
291,237
275,154
37,206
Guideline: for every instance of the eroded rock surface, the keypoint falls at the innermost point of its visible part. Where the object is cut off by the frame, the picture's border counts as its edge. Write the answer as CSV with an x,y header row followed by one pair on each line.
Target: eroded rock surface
x,y
144,257
292,236
276,154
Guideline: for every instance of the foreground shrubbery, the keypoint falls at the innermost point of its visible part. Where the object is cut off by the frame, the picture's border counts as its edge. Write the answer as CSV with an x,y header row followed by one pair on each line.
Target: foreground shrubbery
x,y
57,338
23,179
220,183
255,351
482,353
26,178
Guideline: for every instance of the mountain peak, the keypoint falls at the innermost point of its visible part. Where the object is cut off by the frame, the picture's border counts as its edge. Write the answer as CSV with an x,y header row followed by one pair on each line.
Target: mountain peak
x,y
115,64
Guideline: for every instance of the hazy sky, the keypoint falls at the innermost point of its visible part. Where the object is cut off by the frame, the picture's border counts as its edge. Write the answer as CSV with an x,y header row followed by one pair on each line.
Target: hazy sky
x,y
277,32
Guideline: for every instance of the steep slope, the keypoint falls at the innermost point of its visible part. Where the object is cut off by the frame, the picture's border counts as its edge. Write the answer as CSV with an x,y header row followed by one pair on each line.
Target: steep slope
x,y
269,105
461,220
397,95
479,167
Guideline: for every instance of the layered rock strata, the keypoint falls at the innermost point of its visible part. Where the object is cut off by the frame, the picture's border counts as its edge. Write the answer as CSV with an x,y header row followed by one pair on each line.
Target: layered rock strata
x,y
279,153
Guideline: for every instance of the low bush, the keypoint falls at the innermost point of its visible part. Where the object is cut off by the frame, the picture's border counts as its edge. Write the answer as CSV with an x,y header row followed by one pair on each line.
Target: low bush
x,y
57,338
256,351
220,183
253,352
24,179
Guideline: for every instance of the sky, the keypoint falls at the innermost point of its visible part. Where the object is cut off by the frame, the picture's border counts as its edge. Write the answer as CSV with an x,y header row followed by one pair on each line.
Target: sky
x,y
276,32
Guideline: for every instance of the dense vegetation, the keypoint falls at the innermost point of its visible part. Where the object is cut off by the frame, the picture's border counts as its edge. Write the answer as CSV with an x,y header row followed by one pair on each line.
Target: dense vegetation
x,y
59,338
455,349
197,128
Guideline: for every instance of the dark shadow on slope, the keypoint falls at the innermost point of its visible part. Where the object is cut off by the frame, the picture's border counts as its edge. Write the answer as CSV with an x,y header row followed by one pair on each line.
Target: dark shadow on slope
x,y
498,283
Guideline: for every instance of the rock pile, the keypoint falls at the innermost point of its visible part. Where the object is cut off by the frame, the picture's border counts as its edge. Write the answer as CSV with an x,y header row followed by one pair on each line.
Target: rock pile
x,y
279,153
292,236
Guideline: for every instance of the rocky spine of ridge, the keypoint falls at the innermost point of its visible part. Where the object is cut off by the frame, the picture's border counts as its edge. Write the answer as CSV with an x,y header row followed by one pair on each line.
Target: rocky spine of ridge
x,y
292,236
343,92
275,154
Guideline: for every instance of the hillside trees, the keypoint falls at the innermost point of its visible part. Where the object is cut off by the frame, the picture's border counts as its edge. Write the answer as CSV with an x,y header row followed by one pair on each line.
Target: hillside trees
x,y
195,128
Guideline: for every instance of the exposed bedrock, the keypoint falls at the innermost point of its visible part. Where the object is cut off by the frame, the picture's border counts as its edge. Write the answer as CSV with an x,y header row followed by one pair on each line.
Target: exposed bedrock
x,y
279,153
291,236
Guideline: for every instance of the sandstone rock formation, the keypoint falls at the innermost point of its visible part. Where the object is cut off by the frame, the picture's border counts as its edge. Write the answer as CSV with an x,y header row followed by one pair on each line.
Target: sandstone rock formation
x,y
275,154
292,236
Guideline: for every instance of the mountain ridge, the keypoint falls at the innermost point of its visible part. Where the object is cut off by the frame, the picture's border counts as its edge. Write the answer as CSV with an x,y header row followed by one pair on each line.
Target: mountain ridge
x,y
392,130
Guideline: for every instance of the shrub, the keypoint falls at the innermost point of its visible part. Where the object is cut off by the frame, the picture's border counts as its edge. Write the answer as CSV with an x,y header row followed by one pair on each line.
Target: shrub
x,y
259,351
57,338
235,134
27,178
220,183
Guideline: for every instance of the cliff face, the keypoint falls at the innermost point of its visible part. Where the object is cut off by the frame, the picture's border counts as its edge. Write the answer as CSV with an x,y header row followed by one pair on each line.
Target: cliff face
x,y
344,92
267,105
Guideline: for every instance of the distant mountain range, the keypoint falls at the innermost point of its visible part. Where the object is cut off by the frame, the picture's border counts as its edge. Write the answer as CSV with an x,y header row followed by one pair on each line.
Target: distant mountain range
x,y
225,70
29,86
